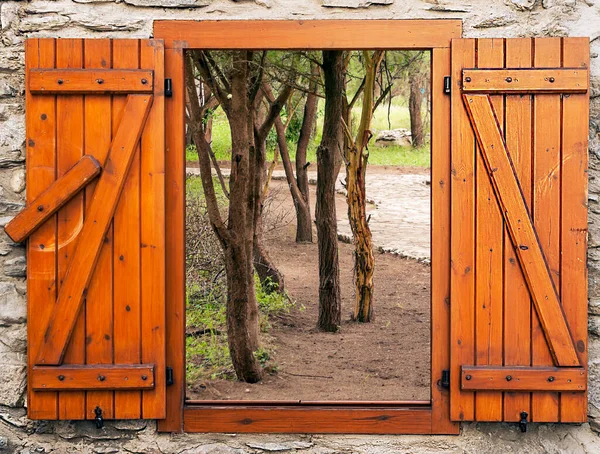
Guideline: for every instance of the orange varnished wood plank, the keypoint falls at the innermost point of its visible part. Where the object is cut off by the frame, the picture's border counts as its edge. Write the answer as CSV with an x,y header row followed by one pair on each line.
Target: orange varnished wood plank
x,y
517,303
88,80
462,237
74,378
40,114
523,234
524,378
546,208
307,420
547,80
489,255
574,194
98,135
126,254
69,146
53,198
440,243
308,34
152,204
110,184
175,241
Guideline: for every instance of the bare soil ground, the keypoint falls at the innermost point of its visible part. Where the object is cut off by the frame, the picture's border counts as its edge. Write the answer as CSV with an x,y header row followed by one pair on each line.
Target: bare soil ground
x,y
386,360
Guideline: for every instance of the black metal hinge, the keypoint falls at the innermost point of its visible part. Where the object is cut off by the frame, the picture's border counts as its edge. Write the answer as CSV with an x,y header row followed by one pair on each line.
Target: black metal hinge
x,y
170,379
447,84
168,88
523,421
98,419
445,381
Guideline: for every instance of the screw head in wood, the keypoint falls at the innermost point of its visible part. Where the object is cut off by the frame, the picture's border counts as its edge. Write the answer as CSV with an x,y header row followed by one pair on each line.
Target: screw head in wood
x,y
508,377
61,377
551,80
144,81
144,377
101,377
467,79
468,377
40,208
509,79
550,379
100,81
60,81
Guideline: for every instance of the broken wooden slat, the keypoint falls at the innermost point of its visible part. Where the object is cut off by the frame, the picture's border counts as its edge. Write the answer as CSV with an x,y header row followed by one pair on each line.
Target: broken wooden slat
x,y
92,377
90,81
523,234
551,80
50,201
494,378
98,218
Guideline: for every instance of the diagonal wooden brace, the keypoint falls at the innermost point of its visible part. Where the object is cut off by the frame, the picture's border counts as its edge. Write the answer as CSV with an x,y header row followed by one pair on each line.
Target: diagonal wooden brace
x,y
106,196
521,229
52,199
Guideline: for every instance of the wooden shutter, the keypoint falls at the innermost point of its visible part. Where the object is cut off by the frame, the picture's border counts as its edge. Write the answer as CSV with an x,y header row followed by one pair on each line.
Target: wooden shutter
x,y
519,229
95,220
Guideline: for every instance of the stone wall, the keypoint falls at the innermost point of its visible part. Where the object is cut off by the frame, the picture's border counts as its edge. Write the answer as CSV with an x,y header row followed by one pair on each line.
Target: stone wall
x,y
133,18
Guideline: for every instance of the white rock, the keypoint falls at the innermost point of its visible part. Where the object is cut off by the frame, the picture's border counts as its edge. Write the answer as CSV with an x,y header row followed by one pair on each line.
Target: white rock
x,y
399,136
12,306
355,3
17,180
12,384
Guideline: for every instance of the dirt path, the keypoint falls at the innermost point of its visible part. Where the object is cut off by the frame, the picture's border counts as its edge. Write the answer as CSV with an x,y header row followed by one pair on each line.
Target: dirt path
x,y
384,360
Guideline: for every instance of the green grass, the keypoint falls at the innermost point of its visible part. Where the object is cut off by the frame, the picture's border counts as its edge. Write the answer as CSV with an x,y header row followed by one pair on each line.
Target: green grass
x,y
397,116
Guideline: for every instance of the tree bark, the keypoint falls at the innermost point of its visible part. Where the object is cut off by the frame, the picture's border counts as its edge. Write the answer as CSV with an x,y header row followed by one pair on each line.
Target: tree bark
x,y
236,237
415,103
328,159
356,169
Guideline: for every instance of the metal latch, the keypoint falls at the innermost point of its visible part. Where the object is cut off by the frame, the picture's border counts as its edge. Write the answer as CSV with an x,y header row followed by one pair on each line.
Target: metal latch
x,y
445,381
168,88
523,421
170,379
99,419
447,84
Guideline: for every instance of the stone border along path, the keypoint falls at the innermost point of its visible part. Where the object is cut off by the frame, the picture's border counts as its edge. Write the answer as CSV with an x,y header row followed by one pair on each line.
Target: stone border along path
x,y
401,218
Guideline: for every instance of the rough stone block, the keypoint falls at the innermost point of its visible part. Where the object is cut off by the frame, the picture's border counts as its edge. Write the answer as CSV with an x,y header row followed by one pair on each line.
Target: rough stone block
x,y
355,3
13,381
17,180
12,305
15,267
170,3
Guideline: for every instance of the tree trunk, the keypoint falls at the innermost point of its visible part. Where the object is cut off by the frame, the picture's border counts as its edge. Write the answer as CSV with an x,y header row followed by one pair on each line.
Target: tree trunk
x,y
237,236
328,152
415,103
356,169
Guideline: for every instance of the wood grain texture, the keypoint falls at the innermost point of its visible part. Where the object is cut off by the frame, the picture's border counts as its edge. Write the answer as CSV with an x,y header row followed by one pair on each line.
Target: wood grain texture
x,y
110,184
125,256
523,234
87,80
152,194
440,243
70,143
40,115
547,80
546,209
308,34
99,132
523,378
488,255
73,378
574,218
175,241
462,242
307,420
53,198
517,303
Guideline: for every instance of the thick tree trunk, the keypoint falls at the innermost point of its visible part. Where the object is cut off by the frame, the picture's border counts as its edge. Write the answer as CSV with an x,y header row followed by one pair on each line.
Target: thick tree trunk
x,y
415,103
328,158
237,236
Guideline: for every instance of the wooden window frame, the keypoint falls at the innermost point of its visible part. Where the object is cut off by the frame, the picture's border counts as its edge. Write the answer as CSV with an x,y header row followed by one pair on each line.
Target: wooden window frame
x,y
401,417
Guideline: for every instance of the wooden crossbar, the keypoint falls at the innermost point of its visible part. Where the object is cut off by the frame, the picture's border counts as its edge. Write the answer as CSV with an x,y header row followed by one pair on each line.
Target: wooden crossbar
x,y
52,199
98,218
92,377
547,80
494,378
66,81
521,229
